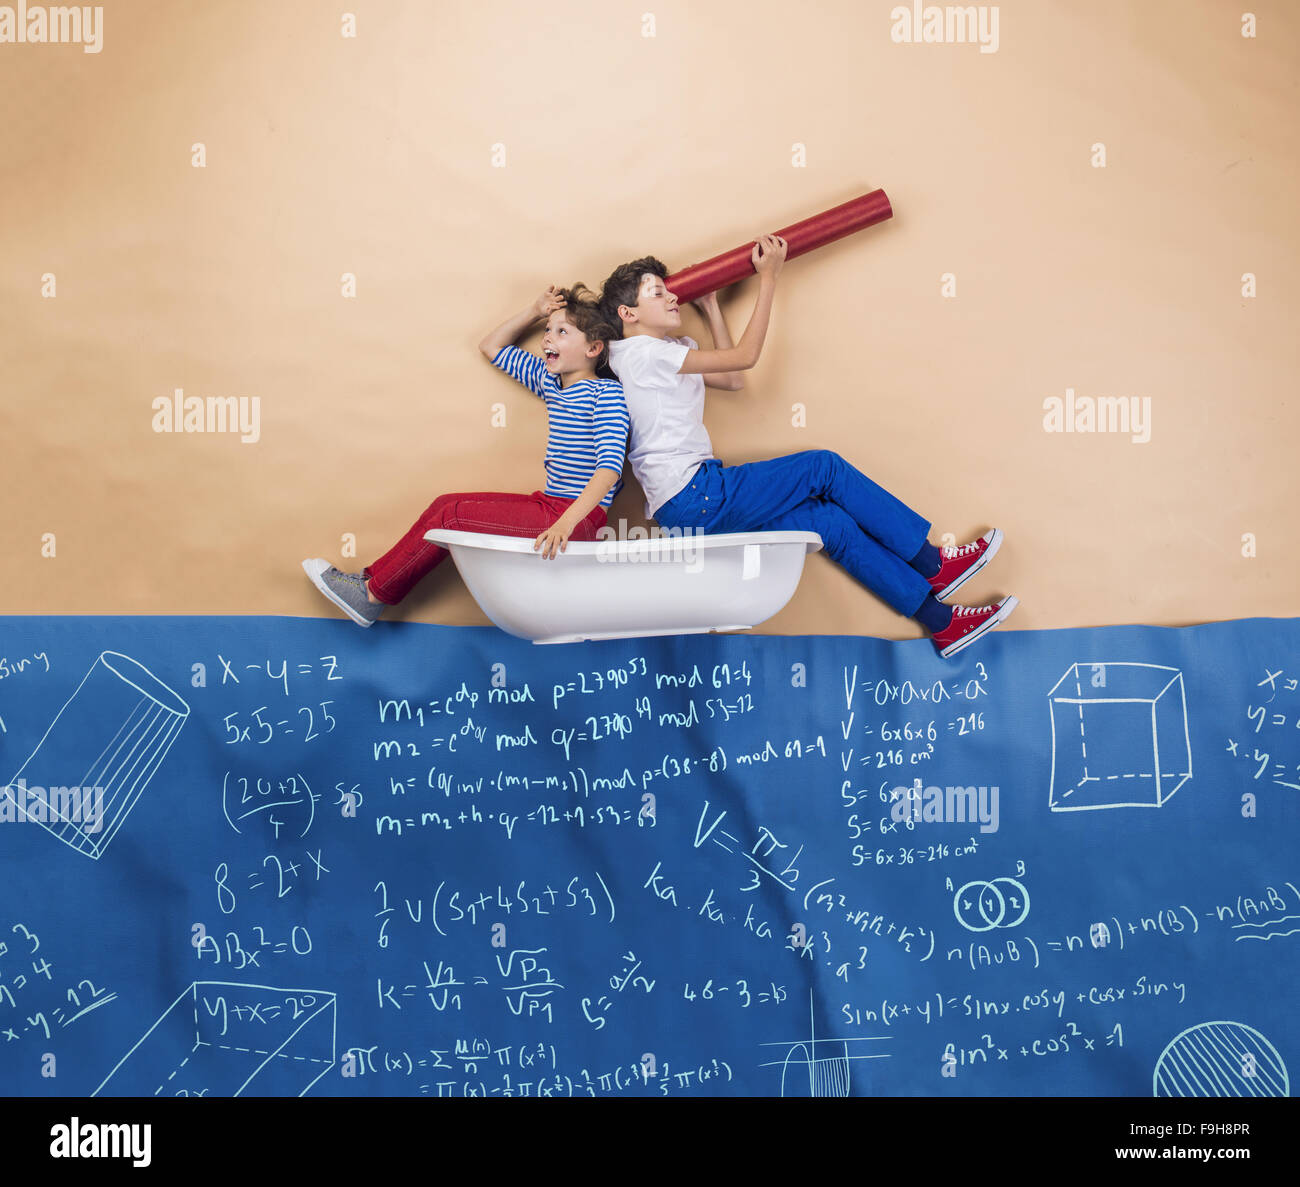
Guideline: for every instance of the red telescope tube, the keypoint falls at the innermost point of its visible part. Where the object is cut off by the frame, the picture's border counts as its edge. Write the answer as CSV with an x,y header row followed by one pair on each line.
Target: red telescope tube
x,y
801,237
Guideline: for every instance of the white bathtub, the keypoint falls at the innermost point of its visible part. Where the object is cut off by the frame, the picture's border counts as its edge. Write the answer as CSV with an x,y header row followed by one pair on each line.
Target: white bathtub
x,y
625,589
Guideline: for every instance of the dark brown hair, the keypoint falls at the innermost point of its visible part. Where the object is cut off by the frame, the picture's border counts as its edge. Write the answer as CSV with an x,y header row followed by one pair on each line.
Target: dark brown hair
x,y
623,287
582,308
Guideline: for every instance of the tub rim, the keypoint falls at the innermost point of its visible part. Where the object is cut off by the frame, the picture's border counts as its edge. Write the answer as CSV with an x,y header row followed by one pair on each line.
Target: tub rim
x,y
490,542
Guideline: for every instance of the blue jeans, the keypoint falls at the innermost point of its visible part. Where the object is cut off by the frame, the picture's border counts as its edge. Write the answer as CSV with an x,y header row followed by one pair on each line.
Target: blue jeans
x,y
863,527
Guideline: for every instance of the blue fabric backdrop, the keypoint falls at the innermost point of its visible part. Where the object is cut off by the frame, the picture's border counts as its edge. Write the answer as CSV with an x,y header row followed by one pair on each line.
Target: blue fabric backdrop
x,y
441,861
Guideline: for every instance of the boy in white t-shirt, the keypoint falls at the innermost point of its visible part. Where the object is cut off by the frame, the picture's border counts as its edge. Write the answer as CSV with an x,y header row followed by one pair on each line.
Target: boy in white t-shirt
x,y
877,538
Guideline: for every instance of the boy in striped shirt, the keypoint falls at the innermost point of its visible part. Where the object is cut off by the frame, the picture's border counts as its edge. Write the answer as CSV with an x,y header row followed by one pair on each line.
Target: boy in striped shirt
x,y
584,457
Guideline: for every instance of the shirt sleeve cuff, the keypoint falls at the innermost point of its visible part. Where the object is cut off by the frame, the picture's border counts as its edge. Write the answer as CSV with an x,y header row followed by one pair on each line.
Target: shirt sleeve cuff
x,y
674,353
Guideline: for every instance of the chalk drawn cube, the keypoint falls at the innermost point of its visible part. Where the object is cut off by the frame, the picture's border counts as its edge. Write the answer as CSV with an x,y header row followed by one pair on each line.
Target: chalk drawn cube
x,y
1119,737
220,1038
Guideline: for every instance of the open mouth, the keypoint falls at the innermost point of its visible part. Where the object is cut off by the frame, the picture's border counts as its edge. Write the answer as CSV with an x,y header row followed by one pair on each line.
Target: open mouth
x,y
551,355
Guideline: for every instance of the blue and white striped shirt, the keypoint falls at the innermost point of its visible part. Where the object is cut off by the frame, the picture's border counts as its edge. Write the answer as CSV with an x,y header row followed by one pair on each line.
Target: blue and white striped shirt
x,y
588,424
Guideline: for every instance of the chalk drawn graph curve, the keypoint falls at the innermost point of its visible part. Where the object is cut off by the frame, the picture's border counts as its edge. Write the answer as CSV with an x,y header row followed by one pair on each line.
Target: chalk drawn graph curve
x,y
827,1075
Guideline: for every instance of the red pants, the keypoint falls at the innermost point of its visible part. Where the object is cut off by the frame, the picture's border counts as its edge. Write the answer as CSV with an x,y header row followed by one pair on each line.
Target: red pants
x,y
394,574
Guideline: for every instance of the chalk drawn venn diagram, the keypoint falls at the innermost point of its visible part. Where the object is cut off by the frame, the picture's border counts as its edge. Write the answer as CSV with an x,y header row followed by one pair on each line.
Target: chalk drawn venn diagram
x,y
999,902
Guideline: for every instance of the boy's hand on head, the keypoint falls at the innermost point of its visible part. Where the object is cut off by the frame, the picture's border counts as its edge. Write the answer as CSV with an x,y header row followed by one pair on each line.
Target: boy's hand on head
x,y
549,301
768,255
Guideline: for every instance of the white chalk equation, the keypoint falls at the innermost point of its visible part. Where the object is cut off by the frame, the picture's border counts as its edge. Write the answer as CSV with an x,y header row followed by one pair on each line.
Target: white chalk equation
x,y
277,801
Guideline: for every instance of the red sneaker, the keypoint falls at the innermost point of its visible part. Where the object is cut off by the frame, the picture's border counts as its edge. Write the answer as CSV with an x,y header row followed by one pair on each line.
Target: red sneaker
x,y
969,623
959,565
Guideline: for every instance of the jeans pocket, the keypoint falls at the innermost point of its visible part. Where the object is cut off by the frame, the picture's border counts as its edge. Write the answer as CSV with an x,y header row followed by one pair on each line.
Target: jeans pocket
x,y
666,516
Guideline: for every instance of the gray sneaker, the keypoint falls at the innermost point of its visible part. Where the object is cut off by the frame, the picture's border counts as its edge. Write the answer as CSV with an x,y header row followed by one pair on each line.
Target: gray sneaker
x,y
346,590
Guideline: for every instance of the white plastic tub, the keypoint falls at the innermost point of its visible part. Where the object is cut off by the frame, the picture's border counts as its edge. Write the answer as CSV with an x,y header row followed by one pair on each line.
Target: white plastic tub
x,y
623,589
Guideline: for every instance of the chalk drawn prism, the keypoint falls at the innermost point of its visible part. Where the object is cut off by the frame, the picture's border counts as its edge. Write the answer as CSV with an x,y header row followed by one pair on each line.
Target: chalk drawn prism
x,y
220,1038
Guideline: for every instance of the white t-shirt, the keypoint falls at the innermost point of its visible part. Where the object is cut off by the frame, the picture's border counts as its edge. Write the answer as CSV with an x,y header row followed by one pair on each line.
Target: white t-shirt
x,y
668,438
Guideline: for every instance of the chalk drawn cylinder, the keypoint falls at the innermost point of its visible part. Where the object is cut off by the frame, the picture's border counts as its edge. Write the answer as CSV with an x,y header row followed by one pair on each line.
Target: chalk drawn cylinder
x,y
111,734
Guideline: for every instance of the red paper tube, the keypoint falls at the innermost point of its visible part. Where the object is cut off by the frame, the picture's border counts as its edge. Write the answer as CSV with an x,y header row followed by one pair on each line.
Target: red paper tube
x,y
801,237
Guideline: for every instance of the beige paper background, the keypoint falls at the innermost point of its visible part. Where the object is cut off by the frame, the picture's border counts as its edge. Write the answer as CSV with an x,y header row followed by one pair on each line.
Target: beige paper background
x,y
373,156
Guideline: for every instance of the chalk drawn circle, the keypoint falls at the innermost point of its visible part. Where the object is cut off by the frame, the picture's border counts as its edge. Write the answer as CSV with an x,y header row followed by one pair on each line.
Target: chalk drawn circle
x,y
1207,1060
1024,897
979,899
